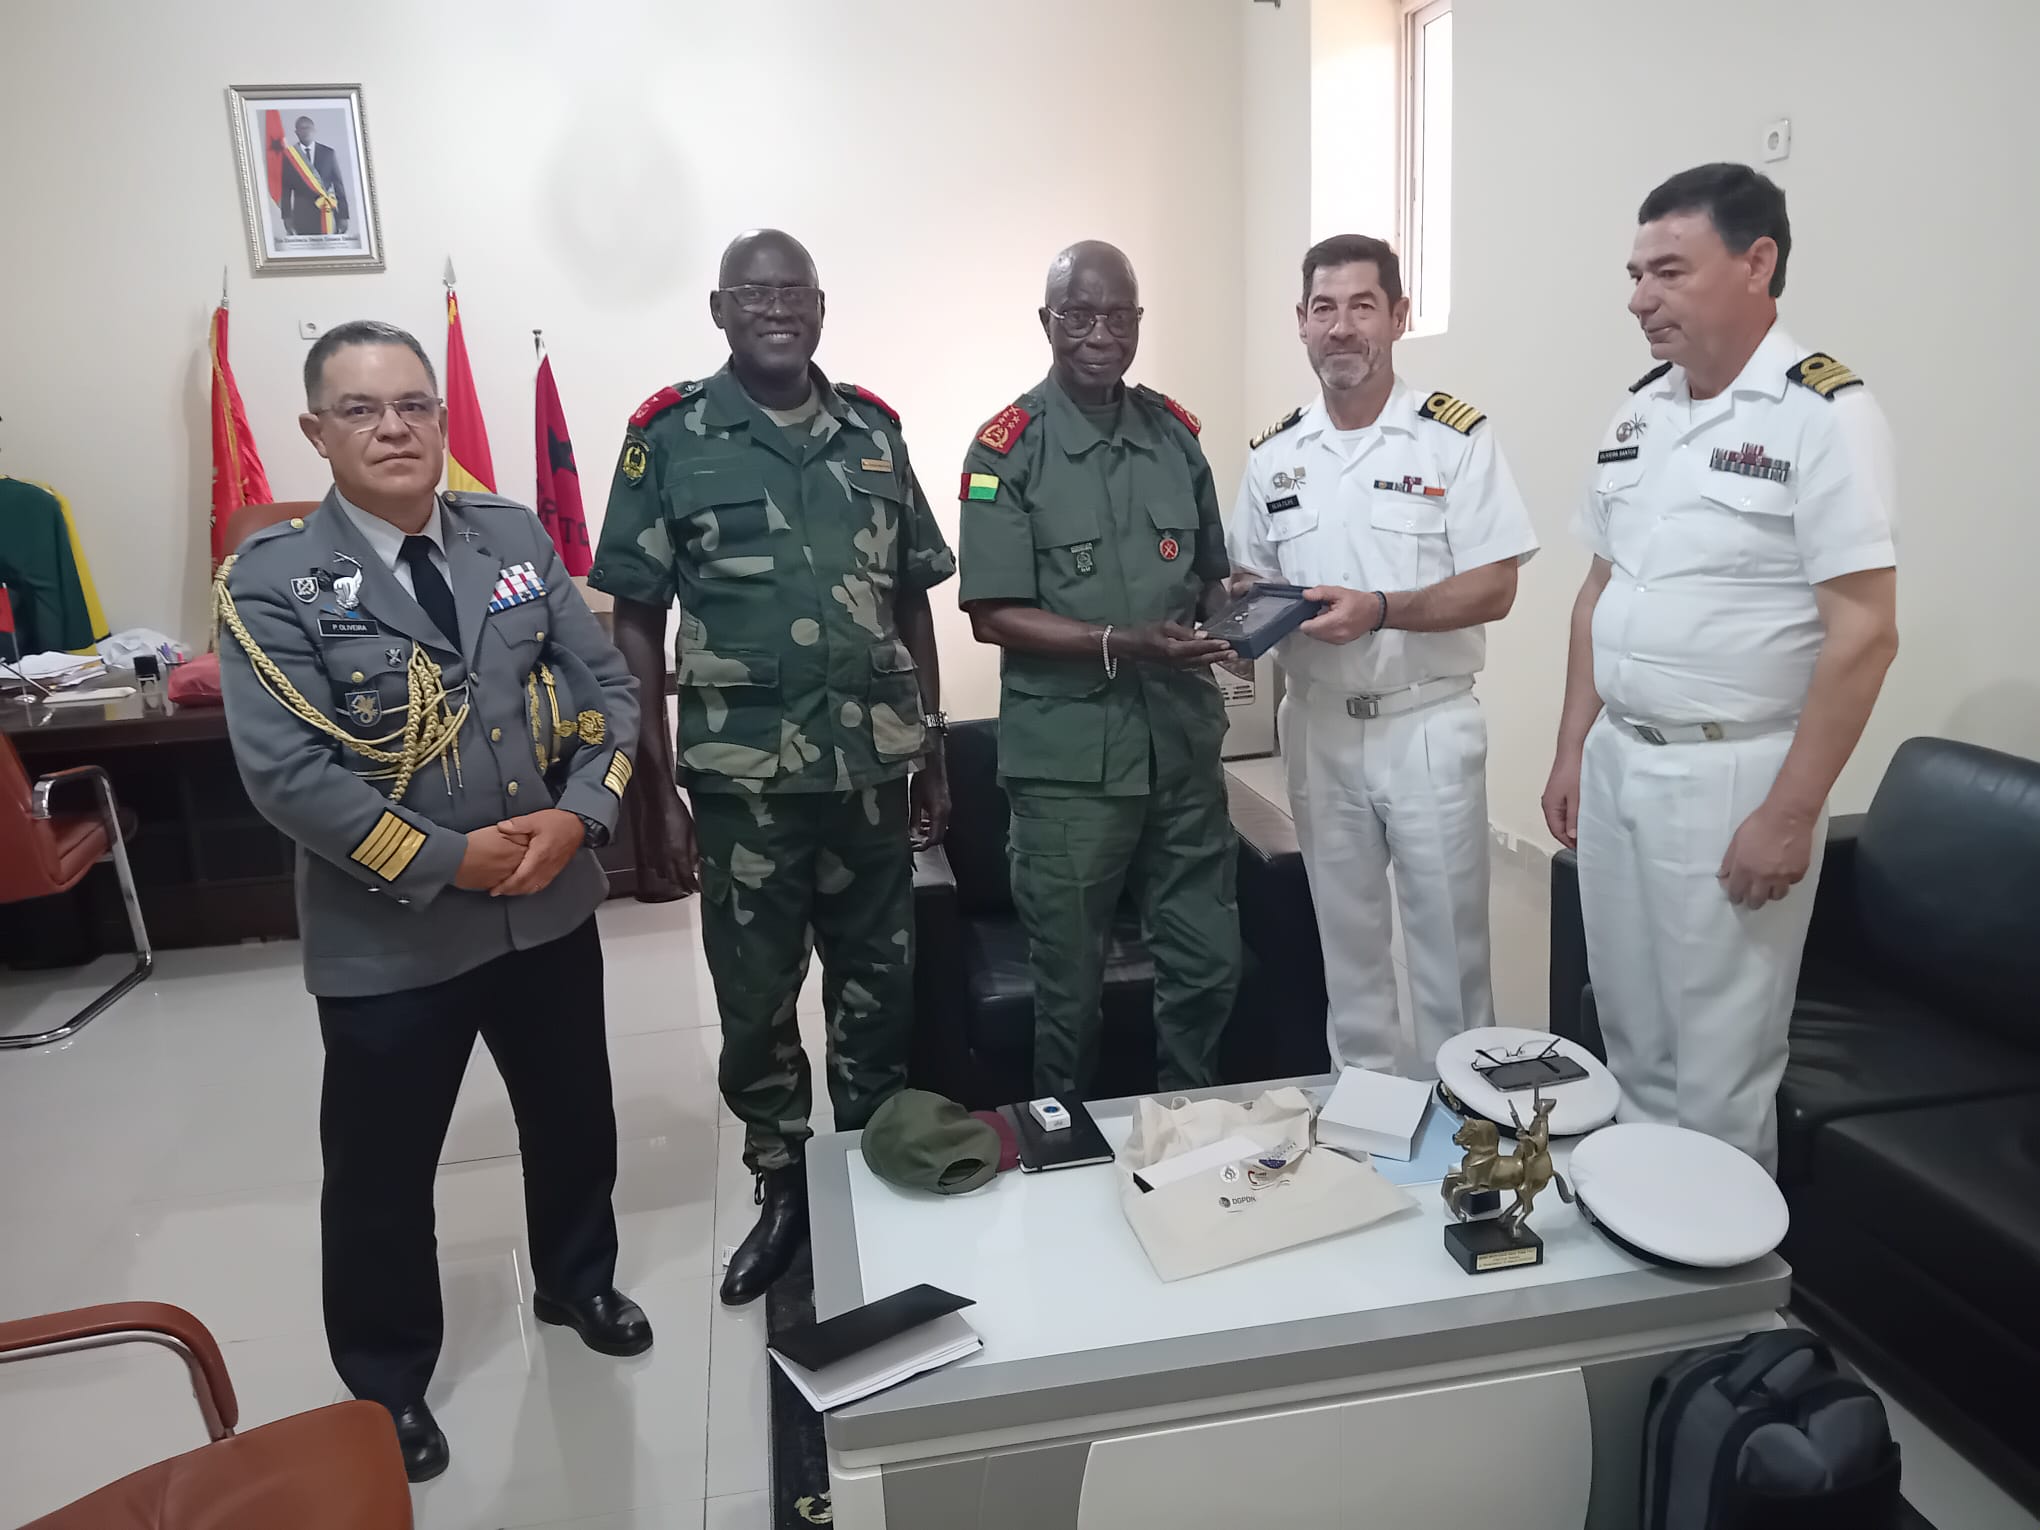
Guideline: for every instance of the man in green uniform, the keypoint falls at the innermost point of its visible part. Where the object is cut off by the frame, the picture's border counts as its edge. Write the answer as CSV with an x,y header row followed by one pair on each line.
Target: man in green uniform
x,y
1091,542
785,517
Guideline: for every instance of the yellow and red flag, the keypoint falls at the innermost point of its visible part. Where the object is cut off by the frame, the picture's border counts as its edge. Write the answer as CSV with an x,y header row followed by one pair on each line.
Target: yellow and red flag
x,y
467,440
238,477
559,480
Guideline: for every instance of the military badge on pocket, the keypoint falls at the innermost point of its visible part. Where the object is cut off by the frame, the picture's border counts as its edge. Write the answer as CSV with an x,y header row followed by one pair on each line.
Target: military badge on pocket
x,y
365,707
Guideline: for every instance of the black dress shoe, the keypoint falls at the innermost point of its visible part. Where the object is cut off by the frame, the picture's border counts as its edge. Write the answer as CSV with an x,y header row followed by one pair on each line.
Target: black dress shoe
x,y
770,1248
609,1323
422,1441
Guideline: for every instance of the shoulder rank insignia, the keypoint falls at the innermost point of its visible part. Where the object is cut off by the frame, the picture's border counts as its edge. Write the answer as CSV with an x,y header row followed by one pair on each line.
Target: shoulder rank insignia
x,y
865,395
1277,428
661,401
1650,377
1004,428
1190,421
1451,413
1822,373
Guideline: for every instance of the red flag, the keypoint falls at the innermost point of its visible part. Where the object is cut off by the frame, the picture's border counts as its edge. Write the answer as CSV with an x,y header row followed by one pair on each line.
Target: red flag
x,y
467,441
238,477
559,481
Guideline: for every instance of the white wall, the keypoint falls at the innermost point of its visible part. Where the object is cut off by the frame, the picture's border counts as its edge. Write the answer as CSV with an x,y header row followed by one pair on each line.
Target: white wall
x,y
1910,136
584,165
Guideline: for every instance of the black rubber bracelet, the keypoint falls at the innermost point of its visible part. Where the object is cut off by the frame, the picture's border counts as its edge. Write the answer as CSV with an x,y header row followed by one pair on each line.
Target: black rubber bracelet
x,y
1382,621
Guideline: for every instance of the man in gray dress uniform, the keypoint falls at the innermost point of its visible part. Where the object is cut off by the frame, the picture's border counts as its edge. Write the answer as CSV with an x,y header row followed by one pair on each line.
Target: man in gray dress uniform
x,y
418,697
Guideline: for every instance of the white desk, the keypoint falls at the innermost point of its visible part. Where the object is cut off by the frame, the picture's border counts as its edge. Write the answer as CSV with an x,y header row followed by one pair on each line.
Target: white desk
x,y
1361,1380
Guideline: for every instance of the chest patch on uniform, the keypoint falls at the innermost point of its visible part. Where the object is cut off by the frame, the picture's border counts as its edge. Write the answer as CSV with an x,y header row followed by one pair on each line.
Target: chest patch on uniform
x,y
1409,483
1631,428
1286,502
633,464
514,586
1004,428
1455,414
1750,462
365,707
305,587
984,486
1618,454
1171,549
347,626
1291,478
1822,373
1085,562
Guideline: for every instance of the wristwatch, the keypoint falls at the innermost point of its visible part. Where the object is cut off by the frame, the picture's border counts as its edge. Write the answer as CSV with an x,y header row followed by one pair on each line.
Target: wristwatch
x,y
598,836
936,722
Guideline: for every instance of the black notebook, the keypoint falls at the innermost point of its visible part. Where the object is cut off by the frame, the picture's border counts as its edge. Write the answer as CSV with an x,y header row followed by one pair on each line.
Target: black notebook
x,y
1070,1147
818,1345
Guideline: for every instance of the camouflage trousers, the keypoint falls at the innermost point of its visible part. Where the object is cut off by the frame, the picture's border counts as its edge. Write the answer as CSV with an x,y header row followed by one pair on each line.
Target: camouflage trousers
x,y
783,874
1071,859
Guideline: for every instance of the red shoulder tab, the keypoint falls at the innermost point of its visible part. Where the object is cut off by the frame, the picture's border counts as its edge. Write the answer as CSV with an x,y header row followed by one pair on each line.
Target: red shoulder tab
x,y
1004,428
867,396
1189,420
655,406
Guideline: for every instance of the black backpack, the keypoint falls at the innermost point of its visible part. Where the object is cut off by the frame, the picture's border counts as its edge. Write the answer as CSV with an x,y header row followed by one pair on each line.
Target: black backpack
x,y
1765,1433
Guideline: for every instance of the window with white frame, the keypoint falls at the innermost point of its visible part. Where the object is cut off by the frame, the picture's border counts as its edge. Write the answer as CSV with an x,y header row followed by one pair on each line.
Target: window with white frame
x,y
1427,162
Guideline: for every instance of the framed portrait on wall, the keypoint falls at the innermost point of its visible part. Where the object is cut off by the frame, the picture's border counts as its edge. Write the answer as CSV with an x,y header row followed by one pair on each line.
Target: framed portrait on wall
x,y
307,182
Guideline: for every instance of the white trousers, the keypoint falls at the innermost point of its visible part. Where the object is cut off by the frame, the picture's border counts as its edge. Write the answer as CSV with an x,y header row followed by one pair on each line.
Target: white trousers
x,y
1409,790
1694,992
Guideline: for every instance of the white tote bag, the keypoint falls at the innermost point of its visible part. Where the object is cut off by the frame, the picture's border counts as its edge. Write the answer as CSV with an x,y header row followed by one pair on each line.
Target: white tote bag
x,y
1290,1192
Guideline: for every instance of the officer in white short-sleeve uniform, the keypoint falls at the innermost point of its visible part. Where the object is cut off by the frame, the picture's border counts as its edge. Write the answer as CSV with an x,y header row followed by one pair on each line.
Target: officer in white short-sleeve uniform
x,y
1394,505
1727,646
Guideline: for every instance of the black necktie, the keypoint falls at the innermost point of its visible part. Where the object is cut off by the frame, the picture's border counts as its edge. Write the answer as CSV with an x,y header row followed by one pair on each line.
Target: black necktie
x,y
429,585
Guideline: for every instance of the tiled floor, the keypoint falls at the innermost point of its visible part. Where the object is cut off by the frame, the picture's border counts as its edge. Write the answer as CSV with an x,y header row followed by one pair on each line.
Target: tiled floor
x,y
170,1153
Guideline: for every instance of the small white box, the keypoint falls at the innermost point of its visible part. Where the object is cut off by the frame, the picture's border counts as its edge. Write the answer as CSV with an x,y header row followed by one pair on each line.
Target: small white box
x,y
1050,1114
1373,1113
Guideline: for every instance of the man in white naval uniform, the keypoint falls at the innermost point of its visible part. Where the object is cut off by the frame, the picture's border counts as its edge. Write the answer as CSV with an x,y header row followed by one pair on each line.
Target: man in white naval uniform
x,y
1727,647
1394,506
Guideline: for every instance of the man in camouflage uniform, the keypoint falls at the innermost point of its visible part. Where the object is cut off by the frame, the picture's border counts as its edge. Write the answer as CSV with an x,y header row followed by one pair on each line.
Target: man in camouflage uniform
x,y
1091,541
783,514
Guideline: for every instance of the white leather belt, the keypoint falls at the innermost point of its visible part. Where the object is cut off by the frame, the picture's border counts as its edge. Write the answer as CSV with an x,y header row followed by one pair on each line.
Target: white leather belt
x,y
1697,733
1423,694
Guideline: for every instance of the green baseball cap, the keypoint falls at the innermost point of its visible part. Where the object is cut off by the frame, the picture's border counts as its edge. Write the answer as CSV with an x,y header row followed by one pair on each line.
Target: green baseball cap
x,y
920,1141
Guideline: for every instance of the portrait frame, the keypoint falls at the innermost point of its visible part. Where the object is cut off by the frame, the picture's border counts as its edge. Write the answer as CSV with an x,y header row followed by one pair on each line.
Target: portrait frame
x,y
307,179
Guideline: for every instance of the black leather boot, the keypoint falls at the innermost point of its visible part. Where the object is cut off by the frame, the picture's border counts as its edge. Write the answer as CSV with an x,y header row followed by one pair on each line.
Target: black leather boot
x,y
768,1250
609,1323
420,1439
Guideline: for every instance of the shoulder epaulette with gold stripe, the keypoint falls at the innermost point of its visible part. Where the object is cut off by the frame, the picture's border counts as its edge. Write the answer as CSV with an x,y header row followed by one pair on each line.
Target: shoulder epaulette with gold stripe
x,y
1823,374
1454,414
1277,428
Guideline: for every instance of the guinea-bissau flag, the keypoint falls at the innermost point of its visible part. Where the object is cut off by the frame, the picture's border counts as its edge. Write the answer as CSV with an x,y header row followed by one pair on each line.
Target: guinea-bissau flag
x,y
238,477
467,440
559,481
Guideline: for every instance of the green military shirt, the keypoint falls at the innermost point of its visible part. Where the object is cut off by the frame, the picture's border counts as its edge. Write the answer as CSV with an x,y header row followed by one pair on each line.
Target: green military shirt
x,y
786,551
1106,521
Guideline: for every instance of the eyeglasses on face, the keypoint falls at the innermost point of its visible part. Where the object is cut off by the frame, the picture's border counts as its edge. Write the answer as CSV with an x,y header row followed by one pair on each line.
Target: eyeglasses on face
x,y
801,302
1078,322
415,411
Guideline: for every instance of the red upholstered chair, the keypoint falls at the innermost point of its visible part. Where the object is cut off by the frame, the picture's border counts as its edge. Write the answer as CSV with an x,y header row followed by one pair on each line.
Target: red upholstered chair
x,y
249,519
335,1468
44,852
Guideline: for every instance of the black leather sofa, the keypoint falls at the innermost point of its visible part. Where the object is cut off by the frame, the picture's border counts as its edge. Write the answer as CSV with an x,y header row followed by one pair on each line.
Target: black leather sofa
x,y
1909,1116
973,998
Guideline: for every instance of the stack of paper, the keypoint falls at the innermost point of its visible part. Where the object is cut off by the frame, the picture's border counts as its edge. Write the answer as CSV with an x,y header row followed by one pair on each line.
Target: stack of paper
x,y
1373,1113
56,670
886,1364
